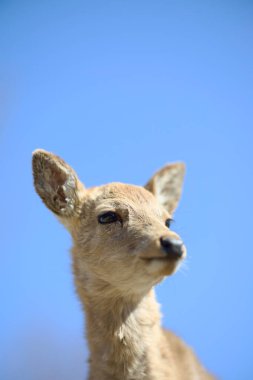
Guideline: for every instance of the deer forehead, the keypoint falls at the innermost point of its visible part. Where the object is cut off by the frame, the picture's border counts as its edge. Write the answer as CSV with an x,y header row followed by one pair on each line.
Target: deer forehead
x,y
124,197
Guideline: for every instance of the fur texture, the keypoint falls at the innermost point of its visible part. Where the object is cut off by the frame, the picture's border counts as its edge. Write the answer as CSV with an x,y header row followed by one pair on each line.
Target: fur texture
x,y
116,266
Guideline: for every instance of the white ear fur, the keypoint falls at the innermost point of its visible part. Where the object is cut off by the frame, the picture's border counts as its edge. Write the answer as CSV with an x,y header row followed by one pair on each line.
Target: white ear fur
x,y
56,183
166,185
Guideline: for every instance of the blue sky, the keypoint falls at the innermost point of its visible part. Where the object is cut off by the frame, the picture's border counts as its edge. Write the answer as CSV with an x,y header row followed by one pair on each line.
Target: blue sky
x,y
119,88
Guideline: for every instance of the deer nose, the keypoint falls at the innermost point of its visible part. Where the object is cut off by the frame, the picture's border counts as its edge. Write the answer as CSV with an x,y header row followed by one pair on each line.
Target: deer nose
x,y
172,247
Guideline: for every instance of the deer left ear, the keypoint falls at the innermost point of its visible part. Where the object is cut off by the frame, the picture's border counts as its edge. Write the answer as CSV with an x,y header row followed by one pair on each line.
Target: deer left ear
x,y
166,185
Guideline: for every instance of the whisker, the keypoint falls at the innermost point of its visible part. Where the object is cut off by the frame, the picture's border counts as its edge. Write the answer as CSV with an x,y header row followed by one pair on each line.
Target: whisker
x,y
184,268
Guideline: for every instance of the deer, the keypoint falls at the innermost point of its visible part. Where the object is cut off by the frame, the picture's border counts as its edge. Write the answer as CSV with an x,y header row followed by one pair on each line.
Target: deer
x,y
123,246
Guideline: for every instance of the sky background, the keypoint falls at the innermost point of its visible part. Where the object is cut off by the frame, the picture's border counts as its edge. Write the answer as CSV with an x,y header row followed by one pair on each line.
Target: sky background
x,y
118,89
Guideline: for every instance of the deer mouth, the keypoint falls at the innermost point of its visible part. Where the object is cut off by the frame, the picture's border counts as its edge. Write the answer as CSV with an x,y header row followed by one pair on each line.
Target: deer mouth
x,y
165,259
161,265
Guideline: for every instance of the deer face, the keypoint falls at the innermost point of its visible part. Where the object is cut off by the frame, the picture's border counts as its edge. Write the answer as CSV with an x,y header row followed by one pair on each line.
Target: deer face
x,y
121,232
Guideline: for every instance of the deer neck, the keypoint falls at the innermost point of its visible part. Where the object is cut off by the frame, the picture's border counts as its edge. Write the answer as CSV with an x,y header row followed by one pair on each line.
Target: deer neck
x,y
121,331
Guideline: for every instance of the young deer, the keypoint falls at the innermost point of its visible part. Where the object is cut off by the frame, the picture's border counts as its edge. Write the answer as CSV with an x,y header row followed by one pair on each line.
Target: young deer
x,y
122,247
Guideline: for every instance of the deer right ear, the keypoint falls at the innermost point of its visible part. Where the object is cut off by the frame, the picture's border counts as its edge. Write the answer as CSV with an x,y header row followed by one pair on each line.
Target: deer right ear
x,y
57,184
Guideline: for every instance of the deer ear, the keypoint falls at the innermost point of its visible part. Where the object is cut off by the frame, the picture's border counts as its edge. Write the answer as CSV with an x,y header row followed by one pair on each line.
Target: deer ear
x,y
166,185
57,184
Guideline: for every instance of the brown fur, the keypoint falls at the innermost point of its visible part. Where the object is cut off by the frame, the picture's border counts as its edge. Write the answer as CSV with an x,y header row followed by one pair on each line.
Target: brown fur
x,y
116,266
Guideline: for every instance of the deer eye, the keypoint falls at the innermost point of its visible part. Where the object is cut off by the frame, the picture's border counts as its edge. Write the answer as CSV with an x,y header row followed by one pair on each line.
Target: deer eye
x,y
168,222
108,217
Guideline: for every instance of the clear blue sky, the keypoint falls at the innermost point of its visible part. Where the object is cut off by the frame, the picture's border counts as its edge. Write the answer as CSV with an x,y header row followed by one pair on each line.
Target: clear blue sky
x,y
119,88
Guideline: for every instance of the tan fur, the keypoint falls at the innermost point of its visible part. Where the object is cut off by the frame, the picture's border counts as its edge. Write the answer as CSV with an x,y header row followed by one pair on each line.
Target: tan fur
x,y
116,266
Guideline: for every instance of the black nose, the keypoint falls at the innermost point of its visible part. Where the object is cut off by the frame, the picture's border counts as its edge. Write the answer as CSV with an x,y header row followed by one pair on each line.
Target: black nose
x,y
172,247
